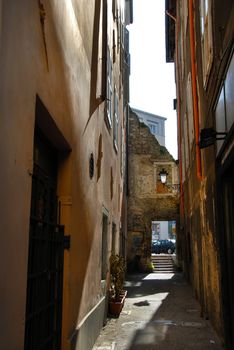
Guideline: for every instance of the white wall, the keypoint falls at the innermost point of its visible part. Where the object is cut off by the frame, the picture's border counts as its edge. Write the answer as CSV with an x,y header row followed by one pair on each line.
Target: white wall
x,y
163,229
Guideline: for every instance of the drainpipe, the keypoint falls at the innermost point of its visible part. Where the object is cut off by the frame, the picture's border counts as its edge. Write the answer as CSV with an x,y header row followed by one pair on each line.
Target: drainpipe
x,y
194,88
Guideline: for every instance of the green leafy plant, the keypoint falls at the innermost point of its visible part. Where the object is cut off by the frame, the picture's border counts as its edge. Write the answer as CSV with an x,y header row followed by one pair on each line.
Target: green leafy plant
x,y
117,273
151,266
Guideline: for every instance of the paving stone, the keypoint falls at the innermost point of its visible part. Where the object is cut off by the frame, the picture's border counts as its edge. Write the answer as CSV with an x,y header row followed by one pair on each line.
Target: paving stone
x,y
160,313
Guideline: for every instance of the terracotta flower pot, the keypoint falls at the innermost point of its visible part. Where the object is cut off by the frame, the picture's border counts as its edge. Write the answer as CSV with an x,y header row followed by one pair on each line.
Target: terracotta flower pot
x,y
115,306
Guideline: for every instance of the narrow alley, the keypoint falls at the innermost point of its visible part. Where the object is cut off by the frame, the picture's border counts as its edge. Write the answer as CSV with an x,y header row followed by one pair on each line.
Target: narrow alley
x,y
117,156
160,313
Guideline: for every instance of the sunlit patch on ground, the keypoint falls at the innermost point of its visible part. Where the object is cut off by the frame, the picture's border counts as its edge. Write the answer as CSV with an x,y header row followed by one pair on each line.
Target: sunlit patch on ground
x,y
159,276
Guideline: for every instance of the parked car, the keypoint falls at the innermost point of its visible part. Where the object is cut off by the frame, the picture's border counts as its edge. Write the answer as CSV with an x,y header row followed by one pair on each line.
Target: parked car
x,y
156,247
163,246
167,246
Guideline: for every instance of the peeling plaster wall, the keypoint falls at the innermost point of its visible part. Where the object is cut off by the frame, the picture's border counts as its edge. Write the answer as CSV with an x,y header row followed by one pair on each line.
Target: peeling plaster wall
x,y
204,252
201,262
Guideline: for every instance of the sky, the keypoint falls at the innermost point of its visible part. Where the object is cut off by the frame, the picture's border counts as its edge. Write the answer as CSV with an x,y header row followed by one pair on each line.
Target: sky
x,y
152,81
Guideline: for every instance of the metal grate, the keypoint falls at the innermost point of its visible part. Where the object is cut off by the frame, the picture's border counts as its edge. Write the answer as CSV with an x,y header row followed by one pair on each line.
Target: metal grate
x,y
45,267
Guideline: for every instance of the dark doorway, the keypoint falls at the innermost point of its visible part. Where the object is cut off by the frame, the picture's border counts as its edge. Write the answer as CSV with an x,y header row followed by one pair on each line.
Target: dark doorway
x,y
163,237
46,249
228,247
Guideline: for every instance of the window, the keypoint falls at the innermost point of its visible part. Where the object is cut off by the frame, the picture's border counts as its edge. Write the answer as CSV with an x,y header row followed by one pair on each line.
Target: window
x,y
123,159
113,238
122,244
183,151
189,107
153,128
206,38
109,89
182,32
186,141
116,120
114,46
104,247
122,147
224,110
114,9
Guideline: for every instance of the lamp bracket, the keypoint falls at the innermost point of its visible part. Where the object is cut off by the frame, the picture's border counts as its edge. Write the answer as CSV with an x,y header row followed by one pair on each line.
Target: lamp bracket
x,y
208,136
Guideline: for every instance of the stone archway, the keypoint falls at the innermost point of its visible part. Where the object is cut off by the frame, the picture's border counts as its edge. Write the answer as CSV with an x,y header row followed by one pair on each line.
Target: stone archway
x,y
141,213
148,200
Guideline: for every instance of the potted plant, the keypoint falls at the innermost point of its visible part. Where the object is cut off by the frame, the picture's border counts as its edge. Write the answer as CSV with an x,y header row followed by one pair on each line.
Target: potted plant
x,y
117,294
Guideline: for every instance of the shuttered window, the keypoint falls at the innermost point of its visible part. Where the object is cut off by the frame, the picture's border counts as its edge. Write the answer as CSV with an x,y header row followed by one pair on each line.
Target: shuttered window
x,y
206,38
109,91
116,120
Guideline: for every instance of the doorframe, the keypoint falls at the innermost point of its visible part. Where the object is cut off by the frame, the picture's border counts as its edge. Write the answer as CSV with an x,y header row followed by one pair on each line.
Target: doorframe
x,y
48,127
224,162
44,298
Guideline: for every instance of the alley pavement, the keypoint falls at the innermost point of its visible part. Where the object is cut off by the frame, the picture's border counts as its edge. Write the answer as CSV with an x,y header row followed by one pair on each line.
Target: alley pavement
x,y
160,313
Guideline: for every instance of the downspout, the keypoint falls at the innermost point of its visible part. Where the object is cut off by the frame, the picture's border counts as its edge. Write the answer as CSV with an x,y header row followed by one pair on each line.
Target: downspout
x,y
194,88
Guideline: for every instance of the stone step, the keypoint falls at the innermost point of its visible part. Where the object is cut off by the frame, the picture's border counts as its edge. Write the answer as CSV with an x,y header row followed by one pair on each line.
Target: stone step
x,y
162,271
163,264
163,261
161,257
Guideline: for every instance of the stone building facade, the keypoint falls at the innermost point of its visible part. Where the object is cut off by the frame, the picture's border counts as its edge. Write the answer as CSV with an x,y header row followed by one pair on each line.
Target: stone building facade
x,y
148,199
200,41
64,69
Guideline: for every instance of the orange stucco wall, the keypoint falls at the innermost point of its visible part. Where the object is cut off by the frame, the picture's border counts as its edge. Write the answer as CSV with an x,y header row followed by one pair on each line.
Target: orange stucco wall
x,y
56,66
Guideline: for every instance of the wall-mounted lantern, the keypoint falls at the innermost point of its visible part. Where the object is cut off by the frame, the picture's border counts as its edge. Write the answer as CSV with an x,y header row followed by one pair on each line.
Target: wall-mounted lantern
x,y
163,176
